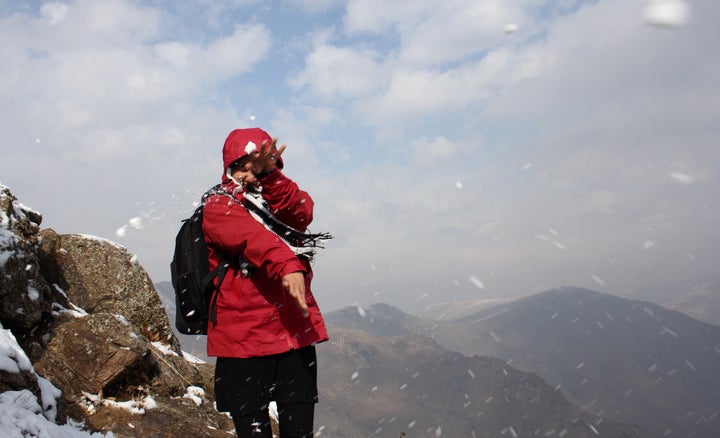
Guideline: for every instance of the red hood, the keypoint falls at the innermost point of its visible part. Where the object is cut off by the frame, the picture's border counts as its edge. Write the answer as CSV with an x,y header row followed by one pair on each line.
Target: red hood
x,y
241,142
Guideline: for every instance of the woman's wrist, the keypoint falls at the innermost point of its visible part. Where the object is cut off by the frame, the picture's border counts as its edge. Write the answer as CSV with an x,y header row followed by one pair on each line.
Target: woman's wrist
x,y
265,173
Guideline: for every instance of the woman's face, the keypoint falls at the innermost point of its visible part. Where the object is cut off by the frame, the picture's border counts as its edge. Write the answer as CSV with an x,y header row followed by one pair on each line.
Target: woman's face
x,y
242,171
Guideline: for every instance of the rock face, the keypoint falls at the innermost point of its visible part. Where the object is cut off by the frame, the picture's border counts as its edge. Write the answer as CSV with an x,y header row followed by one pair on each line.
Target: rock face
x,y
102,277
24,295
93,341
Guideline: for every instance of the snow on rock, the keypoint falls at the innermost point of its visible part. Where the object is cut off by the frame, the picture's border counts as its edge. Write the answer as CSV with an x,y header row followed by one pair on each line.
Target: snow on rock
x,y
12,358
164,348
135,406
103,240
192,359
195,393
21,414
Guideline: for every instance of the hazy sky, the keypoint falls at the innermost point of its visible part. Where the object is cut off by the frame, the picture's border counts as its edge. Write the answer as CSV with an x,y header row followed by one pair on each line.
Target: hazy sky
x,y
457,149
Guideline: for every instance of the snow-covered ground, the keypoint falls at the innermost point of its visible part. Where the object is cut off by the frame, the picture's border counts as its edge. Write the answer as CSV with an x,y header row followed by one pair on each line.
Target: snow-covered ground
x,y
21,413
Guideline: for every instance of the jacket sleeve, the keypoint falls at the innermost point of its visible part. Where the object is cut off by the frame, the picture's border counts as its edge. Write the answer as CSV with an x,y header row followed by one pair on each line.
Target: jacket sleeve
x,y
229,227
287,202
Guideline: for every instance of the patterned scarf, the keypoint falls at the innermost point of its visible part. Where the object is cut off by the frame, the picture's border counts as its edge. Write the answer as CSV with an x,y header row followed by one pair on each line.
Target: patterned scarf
x,y
302,244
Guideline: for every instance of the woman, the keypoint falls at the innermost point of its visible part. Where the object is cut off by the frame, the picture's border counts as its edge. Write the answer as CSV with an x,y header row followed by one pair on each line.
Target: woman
x,y
267,321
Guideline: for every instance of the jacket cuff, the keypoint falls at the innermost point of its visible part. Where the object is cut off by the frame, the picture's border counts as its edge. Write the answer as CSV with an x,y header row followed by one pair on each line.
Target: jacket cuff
x,y
292,267
269,176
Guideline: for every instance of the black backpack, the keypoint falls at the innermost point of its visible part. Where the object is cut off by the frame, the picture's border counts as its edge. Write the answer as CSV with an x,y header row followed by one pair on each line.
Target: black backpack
x,y
191,276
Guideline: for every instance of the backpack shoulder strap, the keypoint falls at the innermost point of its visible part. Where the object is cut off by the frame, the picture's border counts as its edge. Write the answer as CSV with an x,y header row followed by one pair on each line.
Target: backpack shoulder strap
x,y
224,262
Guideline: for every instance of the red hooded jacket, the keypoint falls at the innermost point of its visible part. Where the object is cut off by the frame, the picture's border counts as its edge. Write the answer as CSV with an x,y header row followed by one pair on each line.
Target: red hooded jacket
x,y
256,316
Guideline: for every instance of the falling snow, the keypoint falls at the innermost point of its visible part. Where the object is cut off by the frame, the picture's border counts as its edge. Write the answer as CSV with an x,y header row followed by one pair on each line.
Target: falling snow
x,y
597,279
667,330
667,13
135,222
477,282
682,178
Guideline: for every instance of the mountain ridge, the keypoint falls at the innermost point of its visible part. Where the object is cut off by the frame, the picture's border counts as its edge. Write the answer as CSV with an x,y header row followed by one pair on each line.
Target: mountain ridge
x,y
374,385
630,360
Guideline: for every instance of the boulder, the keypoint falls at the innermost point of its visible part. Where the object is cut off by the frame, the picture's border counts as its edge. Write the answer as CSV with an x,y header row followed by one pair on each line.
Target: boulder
x,y
94,354
109,373
25,296
100,276
89,339
178,417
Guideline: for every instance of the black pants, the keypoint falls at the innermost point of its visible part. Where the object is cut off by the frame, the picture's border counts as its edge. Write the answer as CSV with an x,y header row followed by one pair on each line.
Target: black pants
x,y
296,421
245,387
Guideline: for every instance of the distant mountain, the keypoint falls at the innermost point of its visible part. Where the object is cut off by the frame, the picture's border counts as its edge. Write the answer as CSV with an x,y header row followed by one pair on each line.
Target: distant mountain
x,y
379,319
382,386
457,309
698,297
701,302
632,361
384,320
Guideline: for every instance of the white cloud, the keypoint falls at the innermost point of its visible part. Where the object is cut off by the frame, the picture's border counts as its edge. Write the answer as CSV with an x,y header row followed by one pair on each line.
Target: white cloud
x,y
118,109
458,30
584,121
314,6
176,53
340,73
415,92
54,12
235,54
101,69
403,82
435,151
603,107
378,16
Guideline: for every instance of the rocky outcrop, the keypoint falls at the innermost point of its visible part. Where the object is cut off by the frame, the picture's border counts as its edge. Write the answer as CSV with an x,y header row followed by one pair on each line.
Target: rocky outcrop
x,y
90,338
100,276
24,295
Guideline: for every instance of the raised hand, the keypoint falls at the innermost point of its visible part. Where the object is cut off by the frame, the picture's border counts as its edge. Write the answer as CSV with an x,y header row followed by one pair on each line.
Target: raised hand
x,y
265,159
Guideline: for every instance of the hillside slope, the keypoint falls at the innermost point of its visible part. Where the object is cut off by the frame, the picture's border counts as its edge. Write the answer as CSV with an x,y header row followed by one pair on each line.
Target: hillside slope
x,y
632,361
382,386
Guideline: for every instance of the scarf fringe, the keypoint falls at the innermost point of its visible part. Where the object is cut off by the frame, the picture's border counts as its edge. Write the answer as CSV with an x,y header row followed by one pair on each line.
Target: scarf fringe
x,y
303,244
